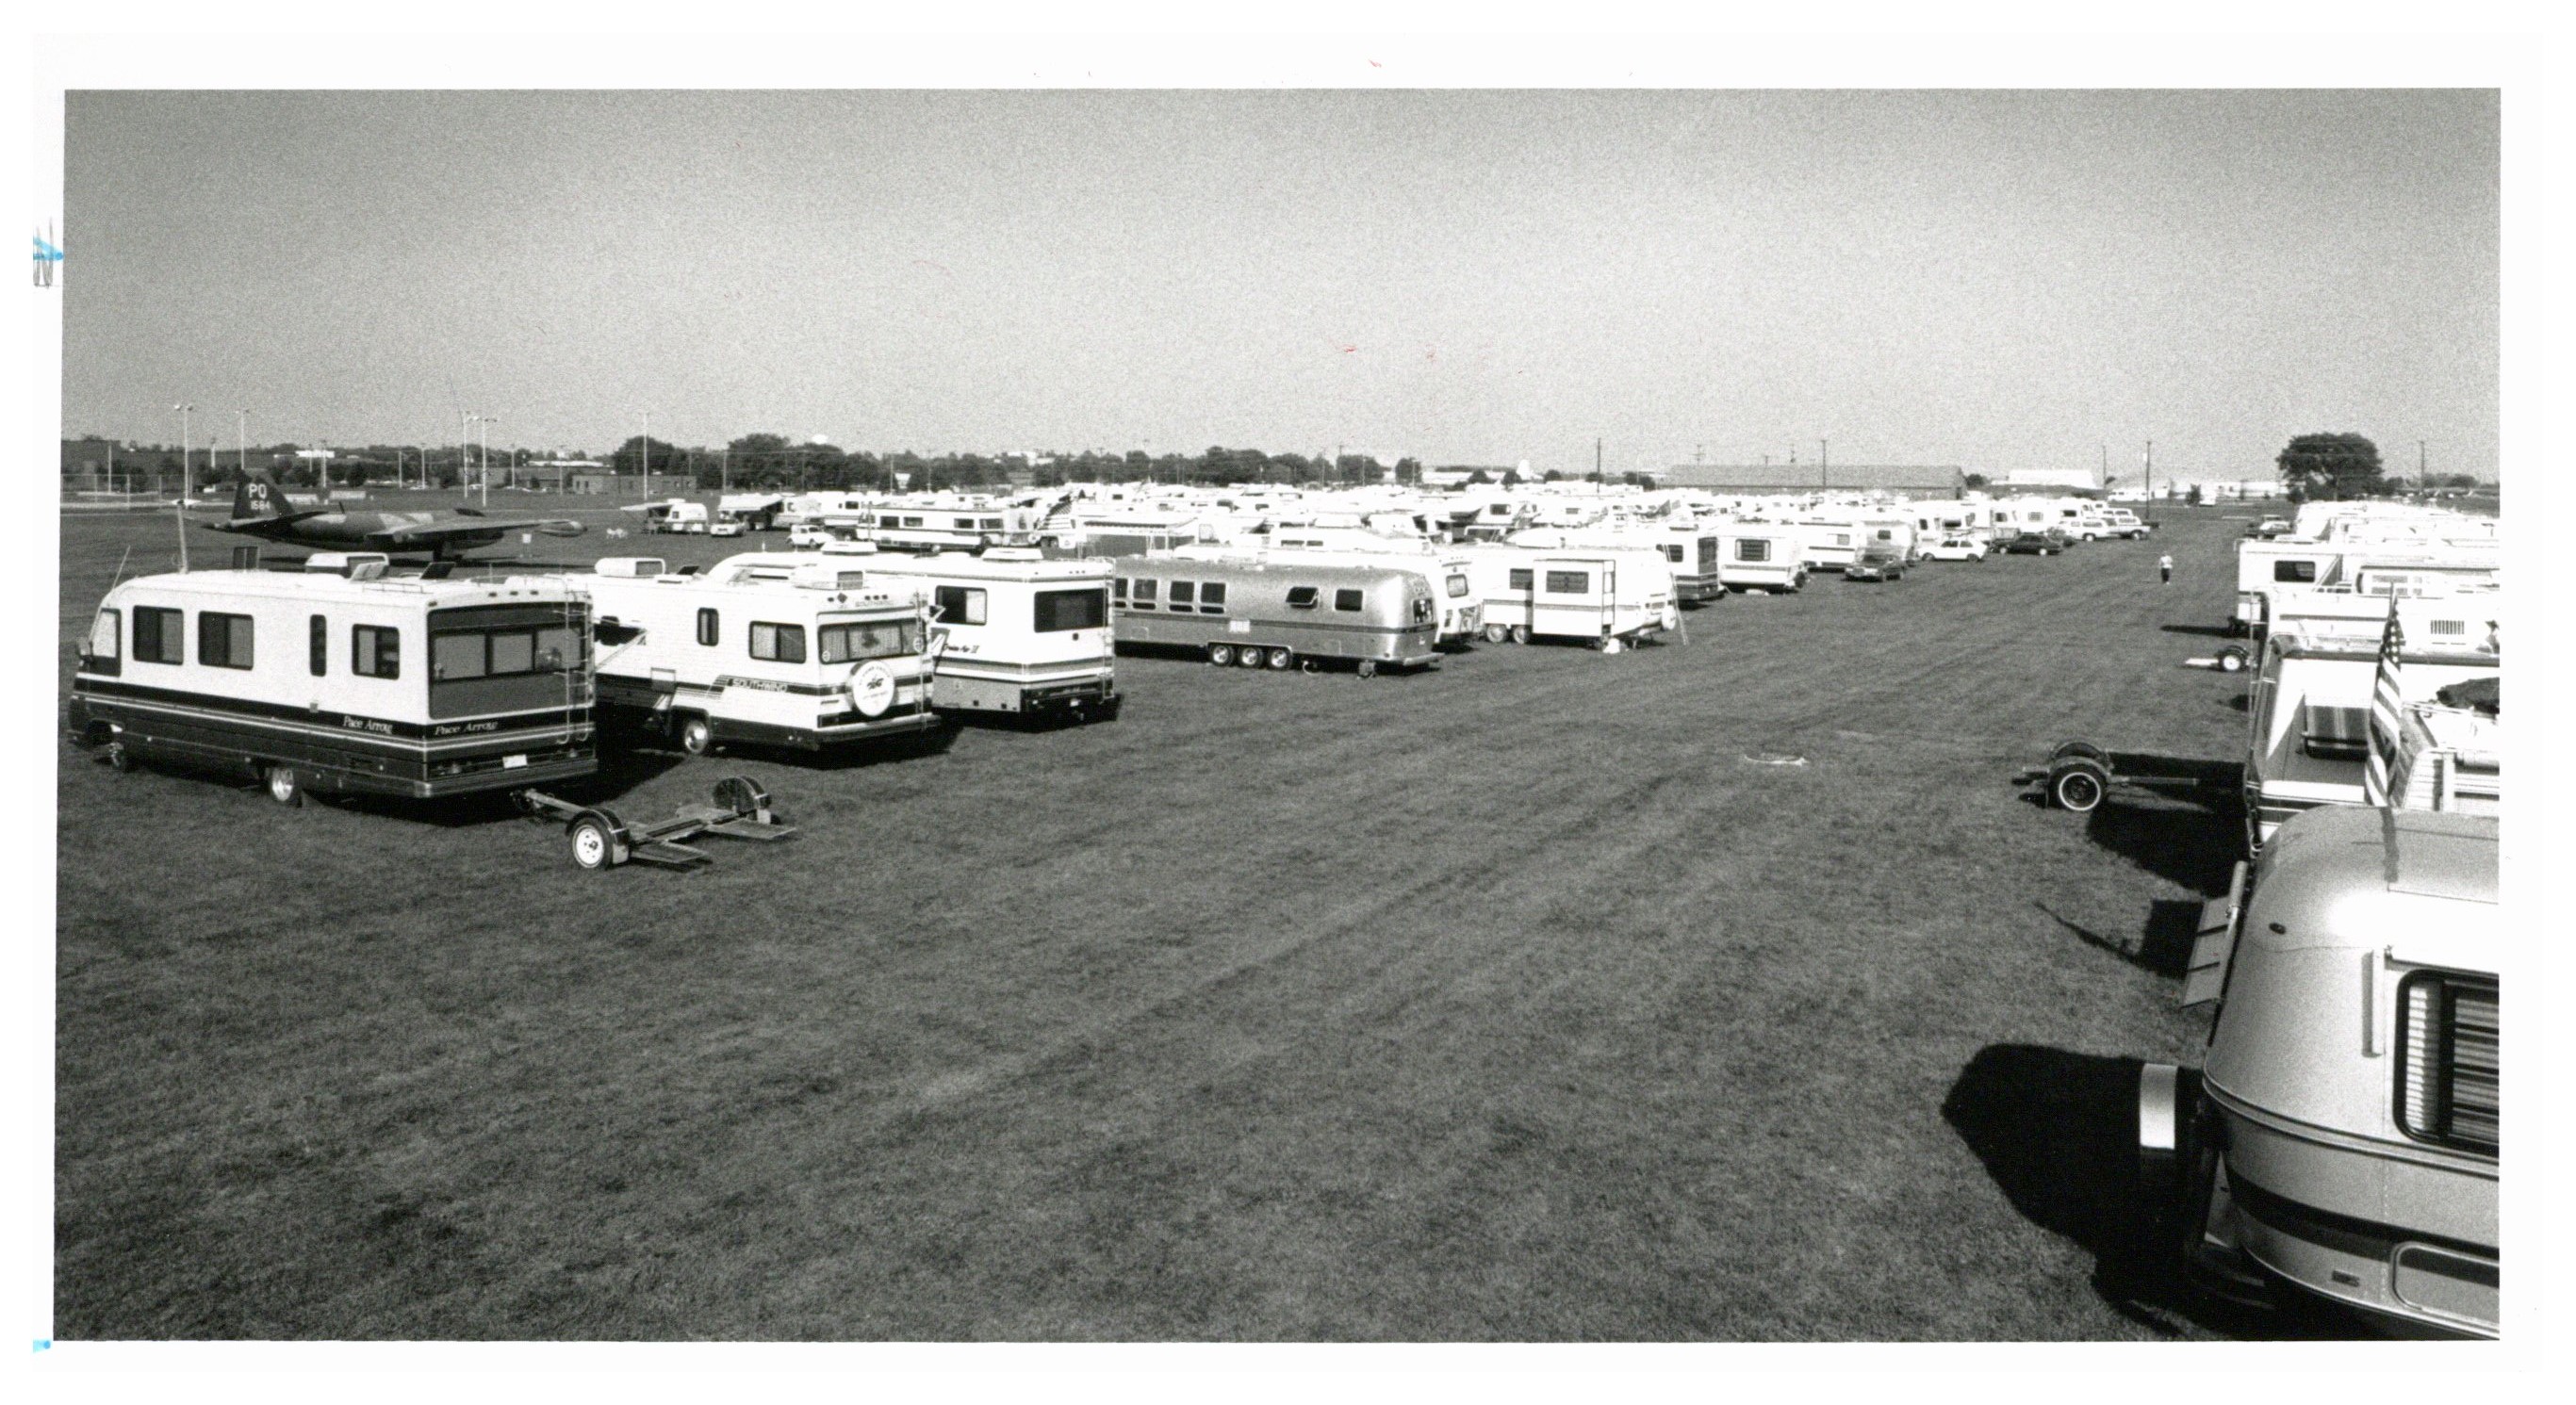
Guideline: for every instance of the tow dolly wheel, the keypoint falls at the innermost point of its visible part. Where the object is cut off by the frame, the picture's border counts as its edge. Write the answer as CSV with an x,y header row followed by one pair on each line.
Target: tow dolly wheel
x,y
2078,747
1281,658
284,786
2078,784
1221,655
2232,660
598,840
743,796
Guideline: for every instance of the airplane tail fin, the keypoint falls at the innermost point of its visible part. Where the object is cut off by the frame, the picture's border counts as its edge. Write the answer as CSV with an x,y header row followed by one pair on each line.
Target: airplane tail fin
x,y
255,497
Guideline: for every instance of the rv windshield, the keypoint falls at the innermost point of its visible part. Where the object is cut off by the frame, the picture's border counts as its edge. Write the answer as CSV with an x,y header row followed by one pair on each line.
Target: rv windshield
x,y
505,658
874,639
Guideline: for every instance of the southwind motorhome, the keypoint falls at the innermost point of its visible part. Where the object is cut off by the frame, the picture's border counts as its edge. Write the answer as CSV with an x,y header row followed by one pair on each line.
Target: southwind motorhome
x,y
1257,614
370,684
2340,1139
788,651
1015,634
1608,599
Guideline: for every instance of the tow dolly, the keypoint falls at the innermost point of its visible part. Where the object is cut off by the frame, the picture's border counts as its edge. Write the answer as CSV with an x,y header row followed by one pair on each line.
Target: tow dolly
x,y
2079,774
600,839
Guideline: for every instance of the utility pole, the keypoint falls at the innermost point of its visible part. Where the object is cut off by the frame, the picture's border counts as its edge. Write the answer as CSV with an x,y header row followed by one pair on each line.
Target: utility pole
x,y
484,478
464,436
241,442
2151,464
1825,463
644,457
182,512
1596,456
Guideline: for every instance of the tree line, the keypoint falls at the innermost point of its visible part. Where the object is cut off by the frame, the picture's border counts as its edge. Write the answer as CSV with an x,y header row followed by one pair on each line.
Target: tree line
x,y
771,461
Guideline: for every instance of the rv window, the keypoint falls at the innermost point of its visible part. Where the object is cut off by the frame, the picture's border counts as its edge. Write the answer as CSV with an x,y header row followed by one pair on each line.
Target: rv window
x,y
779,643
321,646
223,640
514,652
2447,1033
1708,553
1302,597
1212,598
993,523
881,639
1180,596
2335,733
2295,572
1118,587
457,656
1521,579
1144,593
159,636
708,625
1457,586
912,521
1752,549
1349,599
374,652
1672,552
959,604
964,524
105,636
1569,582
1060,610
1886,535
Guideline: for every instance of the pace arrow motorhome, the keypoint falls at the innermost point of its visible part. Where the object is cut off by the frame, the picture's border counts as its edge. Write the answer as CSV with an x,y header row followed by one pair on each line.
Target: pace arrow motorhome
x,y
789,650
2341,1137
2329,663
363,683
1259,614
1608,599
1015,634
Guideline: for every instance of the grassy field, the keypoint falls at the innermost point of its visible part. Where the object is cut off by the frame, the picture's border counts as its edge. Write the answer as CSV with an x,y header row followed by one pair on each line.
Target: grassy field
x,y
1509,1001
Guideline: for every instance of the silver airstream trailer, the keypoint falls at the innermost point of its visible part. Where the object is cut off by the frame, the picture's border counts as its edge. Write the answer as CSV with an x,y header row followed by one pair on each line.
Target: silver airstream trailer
x,y
2340,1139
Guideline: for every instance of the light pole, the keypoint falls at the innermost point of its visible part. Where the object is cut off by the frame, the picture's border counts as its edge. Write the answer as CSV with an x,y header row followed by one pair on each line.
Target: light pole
x,y
183,446
241,442
484,478
464,437
644,460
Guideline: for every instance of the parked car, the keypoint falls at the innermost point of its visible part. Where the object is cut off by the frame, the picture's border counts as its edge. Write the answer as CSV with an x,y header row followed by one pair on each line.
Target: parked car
x,y
1955,549
2269,528
2044,543
1876,563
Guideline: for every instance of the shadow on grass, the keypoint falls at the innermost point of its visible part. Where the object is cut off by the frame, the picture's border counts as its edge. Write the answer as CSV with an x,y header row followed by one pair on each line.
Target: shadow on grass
x,y
2058,1133
619,772
2212,631
2241,702
2163,949
2196,845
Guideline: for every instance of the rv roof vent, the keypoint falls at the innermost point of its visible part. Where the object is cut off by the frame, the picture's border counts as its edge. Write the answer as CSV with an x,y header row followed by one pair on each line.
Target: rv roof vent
x,y
631,566
827,575
842,548
367,570
1011,553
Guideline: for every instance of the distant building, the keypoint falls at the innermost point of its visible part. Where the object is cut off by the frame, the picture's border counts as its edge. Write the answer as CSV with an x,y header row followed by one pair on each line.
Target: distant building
x,y
1907,480
608,482
2084,480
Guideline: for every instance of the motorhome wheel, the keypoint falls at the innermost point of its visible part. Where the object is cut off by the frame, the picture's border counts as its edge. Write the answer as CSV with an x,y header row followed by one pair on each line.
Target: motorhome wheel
x,y
1368,668
2078,784
118,757
696,738
597,840
284,786
1222,655
1250,657
1280,658
1496,634
1520,634
1613,645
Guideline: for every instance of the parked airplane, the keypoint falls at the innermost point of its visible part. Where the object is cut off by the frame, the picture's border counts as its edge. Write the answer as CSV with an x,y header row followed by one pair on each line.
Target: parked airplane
x,y
261,510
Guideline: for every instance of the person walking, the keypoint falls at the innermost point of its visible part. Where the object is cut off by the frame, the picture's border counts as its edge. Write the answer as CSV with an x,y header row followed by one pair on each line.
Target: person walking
x,y
2164,566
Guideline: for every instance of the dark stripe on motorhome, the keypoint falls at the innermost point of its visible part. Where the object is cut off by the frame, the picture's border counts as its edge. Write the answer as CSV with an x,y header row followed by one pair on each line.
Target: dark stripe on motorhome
x,y
356,724
1273,622
2345,1234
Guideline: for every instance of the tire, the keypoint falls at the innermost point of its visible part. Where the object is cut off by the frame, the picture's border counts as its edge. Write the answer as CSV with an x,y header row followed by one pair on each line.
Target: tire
x,y
1614,645
1249,656
696,737
284,786
118,758
593,838
1520,634
1368,668
743,796
2232,660
1221,655
2078,747
2078,785
1280,659
1496,634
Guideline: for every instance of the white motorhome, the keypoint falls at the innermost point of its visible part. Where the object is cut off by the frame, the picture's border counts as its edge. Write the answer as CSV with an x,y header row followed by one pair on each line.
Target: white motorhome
x,y
1016,634
2267,569
419,686
784,651
2340,1138
1829,543
1690,550
2436,736
1607,598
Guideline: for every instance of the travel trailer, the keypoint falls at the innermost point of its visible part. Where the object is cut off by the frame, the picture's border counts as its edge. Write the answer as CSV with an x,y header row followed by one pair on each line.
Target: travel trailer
x,y
1690,551
1606,598
2269,569
1462,615
1016,634
1761,556
1258,614
673,515
2339,1140
420,686
786,650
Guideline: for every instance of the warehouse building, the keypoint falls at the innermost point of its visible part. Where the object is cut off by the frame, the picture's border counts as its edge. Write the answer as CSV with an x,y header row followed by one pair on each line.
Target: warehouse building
x,y
1903,480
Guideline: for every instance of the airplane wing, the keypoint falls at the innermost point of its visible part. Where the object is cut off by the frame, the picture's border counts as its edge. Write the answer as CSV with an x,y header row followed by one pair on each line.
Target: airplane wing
x,y
479,529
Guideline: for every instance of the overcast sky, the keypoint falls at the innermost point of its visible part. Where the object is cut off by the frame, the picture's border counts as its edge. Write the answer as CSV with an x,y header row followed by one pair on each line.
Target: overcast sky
x,y
2001,280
